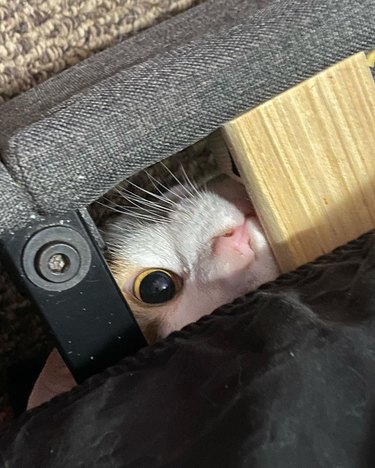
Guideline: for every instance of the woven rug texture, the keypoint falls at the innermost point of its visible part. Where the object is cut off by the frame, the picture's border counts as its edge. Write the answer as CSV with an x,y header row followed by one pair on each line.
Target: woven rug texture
x,y
39,38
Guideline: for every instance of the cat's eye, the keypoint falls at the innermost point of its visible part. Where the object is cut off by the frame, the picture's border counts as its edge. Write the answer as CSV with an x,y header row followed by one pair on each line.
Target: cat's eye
x,y
156,286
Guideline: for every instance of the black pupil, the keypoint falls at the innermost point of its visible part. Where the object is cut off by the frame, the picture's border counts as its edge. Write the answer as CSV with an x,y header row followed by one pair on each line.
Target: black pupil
x,y
156,288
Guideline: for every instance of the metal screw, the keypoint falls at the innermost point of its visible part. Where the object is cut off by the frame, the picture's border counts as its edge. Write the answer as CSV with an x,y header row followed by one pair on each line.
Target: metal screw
x,y
56,258
58,263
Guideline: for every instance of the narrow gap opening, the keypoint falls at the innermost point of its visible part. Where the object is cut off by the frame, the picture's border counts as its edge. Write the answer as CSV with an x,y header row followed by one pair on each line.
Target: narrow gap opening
x,y
183,238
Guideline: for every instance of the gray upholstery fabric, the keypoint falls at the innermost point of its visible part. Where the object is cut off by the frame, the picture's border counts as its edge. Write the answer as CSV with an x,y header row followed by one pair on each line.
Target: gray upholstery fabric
x,y
16,206
205,19
73,138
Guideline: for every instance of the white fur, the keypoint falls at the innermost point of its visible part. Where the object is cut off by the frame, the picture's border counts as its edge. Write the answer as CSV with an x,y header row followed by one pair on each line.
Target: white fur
x,y
182,243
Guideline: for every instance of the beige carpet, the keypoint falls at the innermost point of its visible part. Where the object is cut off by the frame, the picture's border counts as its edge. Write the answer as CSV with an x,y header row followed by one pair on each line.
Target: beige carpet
x,y
39,38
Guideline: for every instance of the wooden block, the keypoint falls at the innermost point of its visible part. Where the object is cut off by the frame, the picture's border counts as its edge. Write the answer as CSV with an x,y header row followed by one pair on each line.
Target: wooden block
x,y
371,58
307,158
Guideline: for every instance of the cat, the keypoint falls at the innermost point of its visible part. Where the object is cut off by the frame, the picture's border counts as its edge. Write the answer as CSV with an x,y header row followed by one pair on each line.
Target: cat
x,y
203,247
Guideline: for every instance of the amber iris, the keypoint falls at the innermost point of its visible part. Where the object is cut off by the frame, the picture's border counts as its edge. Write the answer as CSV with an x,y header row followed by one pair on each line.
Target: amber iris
x,y
156,286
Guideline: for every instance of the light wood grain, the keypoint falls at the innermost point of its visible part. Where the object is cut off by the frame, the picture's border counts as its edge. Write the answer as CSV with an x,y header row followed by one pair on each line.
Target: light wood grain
x,y
307,158
371,58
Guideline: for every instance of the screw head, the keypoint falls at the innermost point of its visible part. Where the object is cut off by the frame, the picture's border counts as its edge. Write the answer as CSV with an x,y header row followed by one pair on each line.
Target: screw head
x,y
58,263
56,258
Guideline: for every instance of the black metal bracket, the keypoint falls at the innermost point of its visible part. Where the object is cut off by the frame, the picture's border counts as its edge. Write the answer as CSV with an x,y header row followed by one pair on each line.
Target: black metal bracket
x,y
59,265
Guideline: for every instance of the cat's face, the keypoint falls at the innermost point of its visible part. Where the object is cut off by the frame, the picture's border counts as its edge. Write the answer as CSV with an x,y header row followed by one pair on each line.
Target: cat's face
x,y
203,249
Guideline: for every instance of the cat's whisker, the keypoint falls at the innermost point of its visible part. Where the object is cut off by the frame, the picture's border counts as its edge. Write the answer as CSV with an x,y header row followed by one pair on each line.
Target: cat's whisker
x,y
142,216
142,208
189,181
145,214
105,205
177,179
123,210
112,205
204,188
175,194
128,194
163,198
154,182
144,202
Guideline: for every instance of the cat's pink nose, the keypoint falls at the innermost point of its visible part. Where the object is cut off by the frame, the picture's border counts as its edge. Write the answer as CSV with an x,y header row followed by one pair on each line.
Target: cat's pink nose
x,y
236,240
